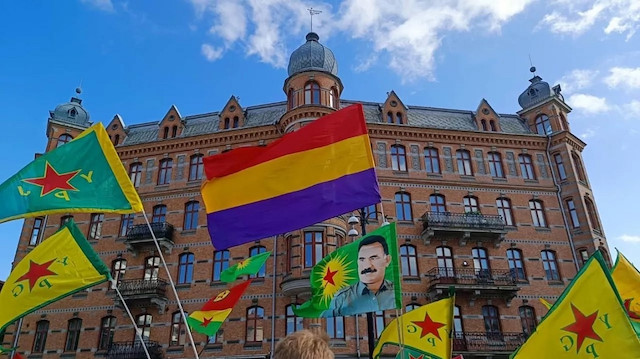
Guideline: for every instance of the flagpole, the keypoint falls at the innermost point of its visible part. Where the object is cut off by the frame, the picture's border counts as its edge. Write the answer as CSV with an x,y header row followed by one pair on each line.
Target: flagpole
x,y
173,287
16,337
114,284
273,297
400,327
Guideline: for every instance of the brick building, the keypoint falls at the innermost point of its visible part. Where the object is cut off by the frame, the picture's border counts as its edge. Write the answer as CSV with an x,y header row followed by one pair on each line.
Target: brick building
x,y
497,205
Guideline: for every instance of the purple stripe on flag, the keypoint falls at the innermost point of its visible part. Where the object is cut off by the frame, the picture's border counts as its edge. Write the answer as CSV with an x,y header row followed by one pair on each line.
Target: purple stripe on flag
x,y
292,211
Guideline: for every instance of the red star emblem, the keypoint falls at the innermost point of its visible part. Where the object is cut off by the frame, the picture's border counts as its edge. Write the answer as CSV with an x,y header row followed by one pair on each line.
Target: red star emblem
x,y
429,326
631,313
36,271
328,277
412,357
583,326
53,180
206,322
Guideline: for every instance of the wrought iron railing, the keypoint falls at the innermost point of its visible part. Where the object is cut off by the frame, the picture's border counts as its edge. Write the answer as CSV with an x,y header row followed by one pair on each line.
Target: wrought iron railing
x,y
462,220
134,350
471,276
320,97
143,287
487,342
141,231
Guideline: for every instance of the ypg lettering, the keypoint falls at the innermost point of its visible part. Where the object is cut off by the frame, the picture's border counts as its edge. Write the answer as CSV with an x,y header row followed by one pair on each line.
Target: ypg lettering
x,y
583,328
54,182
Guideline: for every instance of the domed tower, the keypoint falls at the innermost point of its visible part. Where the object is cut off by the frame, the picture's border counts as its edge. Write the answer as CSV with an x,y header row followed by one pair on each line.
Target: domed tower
x,y
543,107
313,88
66,122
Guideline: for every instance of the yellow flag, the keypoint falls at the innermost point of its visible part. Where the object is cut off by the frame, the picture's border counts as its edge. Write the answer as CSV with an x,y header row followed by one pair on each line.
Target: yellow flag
x,y
545,303
627,280
587,321
425,329
61,265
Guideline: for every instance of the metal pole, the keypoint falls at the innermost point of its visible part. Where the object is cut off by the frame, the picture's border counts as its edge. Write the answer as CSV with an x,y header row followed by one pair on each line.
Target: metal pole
x,y
370,334
114,284
16,337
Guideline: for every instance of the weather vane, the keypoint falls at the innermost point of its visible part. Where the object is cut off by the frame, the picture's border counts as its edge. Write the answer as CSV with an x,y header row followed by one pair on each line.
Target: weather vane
x,y
313,12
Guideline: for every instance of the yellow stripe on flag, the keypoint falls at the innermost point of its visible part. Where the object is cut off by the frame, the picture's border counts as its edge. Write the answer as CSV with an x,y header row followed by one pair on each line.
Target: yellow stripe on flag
x,y
212,315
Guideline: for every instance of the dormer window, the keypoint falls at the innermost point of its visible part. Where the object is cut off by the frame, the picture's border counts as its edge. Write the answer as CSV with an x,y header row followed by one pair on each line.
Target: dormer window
x,y
236,122
312,93
492,124
174,131
73,112
543,125
116,140
389,117
226,123
399,118
483,122
165,135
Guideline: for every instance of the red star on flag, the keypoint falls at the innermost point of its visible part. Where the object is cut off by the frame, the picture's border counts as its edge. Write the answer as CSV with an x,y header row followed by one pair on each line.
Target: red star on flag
x,y
328,277
412,357
36,271
429,326
53,180
206,322
631,313
583,326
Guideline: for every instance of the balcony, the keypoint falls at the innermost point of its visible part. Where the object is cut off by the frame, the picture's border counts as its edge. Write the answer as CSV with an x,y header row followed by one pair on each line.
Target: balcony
x,y
139,237
487,344
144,293
463,227
296,286
134,350
479,283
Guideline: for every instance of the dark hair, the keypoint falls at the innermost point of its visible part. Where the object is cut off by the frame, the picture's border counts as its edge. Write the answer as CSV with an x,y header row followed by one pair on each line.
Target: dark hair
x,y
374,239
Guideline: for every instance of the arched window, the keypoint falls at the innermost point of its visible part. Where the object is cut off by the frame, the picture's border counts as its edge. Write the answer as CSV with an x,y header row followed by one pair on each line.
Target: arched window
x,y
516,266
151,267
438,203
220,263
537,213
409,260
290,99
492,322
481,263
389,117
313,248
504,210
398,158
483,122
236,121
562,173
185,268
495,165
165,133
403,207
464,162
118,269
196,167
135,173
144,324
371,213
605,255
116,140
573,213
254,251
174,131
431,160
95,226
378,322
492,125
526,167
528,319
73,335
579,168
107,330
40,338
178,331
254,328
62,139
543,125
550,265
471,204
333,98
227,123
445,262
399,119
335,327
294,323
591,212
191,215
312,93
159,214
164,173
411,306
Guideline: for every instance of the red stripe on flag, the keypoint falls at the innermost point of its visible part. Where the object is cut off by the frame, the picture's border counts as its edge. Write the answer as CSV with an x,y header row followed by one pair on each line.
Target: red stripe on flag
x,y
226,299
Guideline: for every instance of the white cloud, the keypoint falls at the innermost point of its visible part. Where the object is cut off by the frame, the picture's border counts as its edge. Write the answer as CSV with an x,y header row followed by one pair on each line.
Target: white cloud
x,y
629,238
560,23
632,109
104,5
588,133
366,63
577,80
231,24
626,76
588,104
211,53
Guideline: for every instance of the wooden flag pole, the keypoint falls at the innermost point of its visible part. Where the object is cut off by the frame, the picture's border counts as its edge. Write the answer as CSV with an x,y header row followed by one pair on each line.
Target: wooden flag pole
x,y
114,284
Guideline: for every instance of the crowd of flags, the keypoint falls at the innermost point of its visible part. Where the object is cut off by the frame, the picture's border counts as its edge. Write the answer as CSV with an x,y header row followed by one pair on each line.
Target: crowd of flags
x,y
321,171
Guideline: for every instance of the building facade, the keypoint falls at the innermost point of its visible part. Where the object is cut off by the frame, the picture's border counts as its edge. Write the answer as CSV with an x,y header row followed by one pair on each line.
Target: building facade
x,y
497,205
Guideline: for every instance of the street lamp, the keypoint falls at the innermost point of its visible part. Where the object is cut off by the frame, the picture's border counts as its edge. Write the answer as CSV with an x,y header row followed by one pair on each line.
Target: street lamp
x,y
363,219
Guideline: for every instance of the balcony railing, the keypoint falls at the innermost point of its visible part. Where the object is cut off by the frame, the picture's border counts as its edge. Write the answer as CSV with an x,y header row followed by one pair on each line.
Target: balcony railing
x,y
139,236
134,350
464,226
487,342
142,287
471,276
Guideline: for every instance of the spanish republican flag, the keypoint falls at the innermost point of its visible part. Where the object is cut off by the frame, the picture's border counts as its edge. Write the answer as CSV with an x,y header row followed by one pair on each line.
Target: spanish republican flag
x,y
587,321
84,175
323,170
209,319
61,265
425,330
627,280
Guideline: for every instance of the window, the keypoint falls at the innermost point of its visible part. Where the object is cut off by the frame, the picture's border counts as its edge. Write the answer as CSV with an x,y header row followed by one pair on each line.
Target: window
x,y
409,260
471,204
40,339
95,226
220,263
294,323
236,121
165,134
481,263
290,99
389,117
483,122
378,323
151,266
583,255
159,214
399,118
543,125
550,265
185,268
116,140
504,210
118,268
335,327
516,266
196,167
403,207
528,319
164,174
445,262
370,212
313,249
492,322
562,174
253,251
526,167
431,160
458,329
437,203
464,162
492,124
495,165
126,222
144,324
591,212
217,338
573,213
398,158
227,123
65,219
64,138
254,327
579,167
135,173
333,98
411,306
537,213
312,93
73,335
36,231
107,330
174,131
178,331
191,215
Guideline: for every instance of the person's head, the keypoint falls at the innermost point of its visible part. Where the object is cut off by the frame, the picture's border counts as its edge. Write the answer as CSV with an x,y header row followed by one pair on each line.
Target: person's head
x,y
373,260
304,344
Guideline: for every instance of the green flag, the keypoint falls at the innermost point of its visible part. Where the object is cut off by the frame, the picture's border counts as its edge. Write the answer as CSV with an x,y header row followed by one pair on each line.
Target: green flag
x,y
410,353
249,266
84,175
359,277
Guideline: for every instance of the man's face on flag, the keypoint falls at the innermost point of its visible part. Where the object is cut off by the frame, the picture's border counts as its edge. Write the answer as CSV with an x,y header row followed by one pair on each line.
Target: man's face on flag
x,y
372,263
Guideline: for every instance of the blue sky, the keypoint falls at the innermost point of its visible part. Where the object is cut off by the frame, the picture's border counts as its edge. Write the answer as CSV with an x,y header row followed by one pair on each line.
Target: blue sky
x,y
136,59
